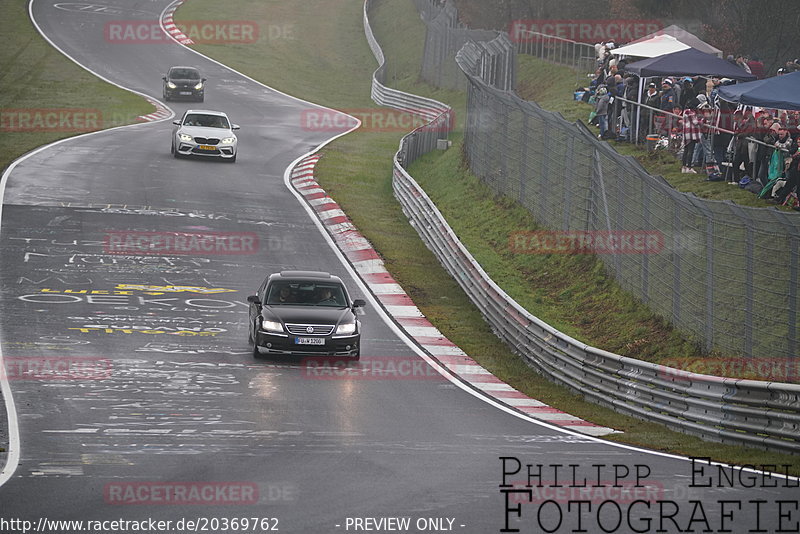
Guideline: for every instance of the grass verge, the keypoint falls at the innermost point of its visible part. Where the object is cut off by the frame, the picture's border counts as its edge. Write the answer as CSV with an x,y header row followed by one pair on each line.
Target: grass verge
x,y
36,79
356,171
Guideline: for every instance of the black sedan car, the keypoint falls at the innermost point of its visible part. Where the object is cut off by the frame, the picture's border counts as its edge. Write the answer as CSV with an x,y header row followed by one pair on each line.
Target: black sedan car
x,y
304,313
184,83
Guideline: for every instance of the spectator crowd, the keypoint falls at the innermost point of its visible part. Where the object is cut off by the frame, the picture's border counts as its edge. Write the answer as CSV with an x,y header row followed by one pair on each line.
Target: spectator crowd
x,y
754,148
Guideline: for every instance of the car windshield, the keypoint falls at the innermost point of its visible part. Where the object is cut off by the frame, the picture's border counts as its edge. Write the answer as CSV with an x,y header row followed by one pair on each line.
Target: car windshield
x,y
208,121
184,74
306,294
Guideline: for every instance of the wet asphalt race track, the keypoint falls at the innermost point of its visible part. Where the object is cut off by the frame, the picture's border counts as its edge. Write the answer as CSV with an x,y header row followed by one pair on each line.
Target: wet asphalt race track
x,y
175,399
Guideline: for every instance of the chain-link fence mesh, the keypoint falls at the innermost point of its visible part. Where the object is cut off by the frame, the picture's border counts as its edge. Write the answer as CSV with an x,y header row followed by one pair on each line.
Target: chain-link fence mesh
x,y
727,274
579,56
444,37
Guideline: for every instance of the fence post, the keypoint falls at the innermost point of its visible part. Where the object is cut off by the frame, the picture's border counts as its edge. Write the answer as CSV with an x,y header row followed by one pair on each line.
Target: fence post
x,y
646,194
708,341
676,270
523,160
545,170
569,181
748,276
793,281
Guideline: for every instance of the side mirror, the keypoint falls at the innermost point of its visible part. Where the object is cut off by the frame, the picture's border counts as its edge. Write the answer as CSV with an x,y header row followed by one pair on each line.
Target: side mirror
x,y
176,123
164,78
203,79
234,127
359,303
253,299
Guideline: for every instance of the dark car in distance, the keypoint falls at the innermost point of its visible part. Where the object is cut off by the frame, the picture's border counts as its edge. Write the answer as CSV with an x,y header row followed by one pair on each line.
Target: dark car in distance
x,y
304,313
184,83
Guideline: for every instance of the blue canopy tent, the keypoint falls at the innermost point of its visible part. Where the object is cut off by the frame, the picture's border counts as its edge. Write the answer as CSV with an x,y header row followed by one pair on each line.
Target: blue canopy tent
x,y
778,92
689,62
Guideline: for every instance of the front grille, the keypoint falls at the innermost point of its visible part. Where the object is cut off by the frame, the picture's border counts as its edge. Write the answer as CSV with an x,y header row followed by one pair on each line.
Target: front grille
x,y
206,141
316,329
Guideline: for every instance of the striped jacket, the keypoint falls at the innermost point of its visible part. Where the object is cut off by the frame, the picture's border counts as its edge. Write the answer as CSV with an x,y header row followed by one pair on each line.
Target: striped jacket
x,y
691,126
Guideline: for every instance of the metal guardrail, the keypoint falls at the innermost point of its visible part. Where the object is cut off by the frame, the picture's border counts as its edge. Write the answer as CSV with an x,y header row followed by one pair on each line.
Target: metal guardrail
x,y
735,411
439,115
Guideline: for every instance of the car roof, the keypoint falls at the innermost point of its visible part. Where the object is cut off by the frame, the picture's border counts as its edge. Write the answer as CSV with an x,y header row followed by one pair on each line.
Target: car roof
x,y
184,67
317,276
207,112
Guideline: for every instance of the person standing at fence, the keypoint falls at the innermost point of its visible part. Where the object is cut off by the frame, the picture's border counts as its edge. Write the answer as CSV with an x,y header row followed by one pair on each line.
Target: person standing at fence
x,y
702,148
687,93
667,104
704,119
742,164
691,135
677,89
757,67
741,62
767,132
630,93
792,175
722,141
652,99
601,110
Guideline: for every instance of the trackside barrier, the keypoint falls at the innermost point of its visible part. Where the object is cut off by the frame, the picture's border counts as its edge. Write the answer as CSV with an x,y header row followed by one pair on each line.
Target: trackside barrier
x,y
735,411
439,115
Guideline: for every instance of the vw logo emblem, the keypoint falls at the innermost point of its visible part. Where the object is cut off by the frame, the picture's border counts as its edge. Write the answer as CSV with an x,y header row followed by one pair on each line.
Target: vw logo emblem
x,y
310,329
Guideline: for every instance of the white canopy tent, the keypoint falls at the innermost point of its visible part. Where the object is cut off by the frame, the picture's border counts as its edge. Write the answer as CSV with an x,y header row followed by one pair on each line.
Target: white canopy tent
x,y
685,37
653,47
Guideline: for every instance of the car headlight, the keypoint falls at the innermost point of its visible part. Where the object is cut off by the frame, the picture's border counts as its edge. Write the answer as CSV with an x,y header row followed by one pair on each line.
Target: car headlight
x,y
346,328
272,326
199,85
185,137
171,85
228,141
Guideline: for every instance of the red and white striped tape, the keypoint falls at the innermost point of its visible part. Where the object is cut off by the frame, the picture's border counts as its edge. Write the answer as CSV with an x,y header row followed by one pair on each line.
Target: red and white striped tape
x,y
399,305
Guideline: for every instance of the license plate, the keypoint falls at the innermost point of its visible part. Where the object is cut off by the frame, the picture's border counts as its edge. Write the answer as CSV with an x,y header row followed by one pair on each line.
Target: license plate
x,y
309,340
207,147
185,92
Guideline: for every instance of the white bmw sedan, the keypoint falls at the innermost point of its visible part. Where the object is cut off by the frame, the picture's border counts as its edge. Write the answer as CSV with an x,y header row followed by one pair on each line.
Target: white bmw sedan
x,y
204,133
